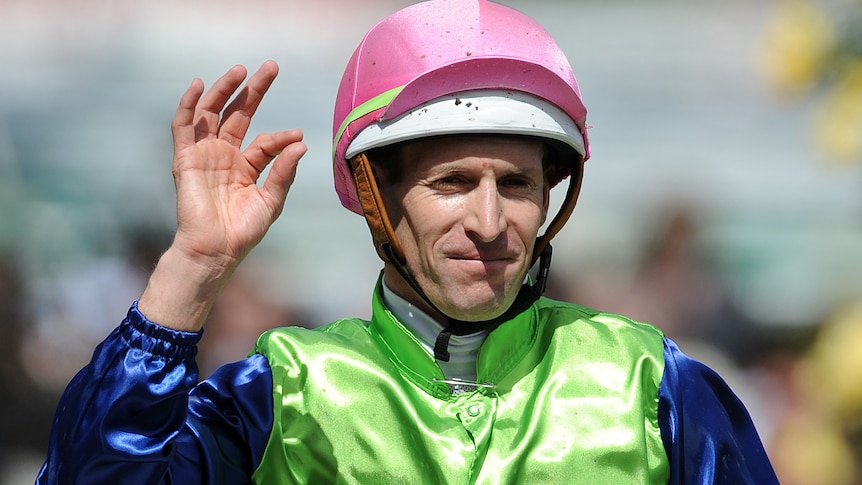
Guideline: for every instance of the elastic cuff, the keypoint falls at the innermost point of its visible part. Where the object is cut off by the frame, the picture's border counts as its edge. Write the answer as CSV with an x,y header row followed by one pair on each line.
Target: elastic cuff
x,y
153,338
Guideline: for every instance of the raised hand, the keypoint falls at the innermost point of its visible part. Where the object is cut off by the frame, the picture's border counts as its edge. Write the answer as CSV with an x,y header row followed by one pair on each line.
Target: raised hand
x,y
222,211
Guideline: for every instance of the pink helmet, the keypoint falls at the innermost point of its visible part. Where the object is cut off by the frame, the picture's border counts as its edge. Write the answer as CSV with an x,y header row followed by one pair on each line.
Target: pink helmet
x,y
428,51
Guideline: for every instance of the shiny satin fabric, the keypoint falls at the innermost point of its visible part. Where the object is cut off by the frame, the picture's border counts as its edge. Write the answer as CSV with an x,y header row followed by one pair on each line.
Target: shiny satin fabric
x,y
706,429
573,398
129,416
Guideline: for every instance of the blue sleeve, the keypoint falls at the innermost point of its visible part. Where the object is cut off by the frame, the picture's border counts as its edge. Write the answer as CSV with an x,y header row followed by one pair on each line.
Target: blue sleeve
x,y
707,432
136,415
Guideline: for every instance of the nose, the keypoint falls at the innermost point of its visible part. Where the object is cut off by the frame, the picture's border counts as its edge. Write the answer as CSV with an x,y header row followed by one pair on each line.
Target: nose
x,y
485,217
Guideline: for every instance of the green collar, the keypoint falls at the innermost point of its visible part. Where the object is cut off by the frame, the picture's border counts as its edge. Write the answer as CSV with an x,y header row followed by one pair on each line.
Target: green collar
x,y
503,349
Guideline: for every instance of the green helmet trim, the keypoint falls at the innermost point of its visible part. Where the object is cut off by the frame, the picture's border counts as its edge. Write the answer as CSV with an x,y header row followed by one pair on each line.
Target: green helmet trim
x,y
382,100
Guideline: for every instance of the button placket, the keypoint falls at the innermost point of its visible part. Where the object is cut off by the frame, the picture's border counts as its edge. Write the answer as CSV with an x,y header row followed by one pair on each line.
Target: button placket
x,y
477,415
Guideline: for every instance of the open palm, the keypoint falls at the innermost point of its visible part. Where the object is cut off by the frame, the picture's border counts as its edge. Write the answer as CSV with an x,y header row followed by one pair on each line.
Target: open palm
x,y
222,212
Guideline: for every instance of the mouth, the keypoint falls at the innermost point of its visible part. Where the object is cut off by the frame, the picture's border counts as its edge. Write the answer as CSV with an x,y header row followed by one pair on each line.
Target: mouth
x,y
486,262
484,258
483,263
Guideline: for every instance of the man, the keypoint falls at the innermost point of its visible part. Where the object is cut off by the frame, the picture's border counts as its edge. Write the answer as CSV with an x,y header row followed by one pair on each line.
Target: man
x,y
453,121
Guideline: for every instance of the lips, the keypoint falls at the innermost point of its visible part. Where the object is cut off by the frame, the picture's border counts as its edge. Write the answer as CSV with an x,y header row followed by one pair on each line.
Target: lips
x,y
483,259
483,256
489,256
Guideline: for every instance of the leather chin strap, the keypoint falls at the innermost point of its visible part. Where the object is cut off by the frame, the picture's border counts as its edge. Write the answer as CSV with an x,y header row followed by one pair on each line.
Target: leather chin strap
x,y
375,211
389,249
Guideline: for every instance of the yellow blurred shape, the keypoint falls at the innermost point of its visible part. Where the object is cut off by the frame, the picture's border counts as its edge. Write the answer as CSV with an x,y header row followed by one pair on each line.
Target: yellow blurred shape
x,y
797,40
839,123
807,451
834,366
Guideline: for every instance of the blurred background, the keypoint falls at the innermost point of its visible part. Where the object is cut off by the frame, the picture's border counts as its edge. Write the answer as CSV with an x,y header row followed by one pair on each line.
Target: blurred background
x,y
723,202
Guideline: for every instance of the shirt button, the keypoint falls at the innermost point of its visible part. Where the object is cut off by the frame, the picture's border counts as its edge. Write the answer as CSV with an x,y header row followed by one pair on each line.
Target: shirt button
x,y
473,410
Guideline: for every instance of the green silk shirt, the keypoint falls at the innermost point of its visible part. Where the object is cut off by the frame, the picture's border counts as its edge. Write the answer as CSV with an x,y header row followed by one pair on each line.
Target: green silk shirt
x,y
572,398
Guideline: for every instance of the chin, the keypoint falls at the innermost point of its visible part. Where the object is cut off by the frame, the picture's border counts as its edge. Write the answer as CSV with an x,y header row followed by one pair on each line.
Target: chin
x,y
477,309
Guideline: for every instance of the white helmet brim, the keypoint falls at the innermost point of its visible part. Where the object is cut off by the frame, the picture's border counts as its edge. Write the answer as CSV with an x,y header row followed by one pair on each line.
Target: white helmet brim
x,y
486,111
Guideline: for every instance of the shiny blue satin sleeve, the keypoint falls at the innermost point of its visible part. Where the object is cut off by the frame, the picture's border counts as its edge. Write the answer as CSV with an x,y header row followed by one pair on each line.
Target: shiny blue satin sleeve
x,y
708,434
136,414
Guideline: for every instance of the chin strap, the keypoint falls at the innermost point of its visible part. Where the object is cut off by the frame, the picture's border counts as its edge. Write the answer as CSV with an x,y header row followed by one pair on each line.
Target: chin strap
x,y
371,201
389,249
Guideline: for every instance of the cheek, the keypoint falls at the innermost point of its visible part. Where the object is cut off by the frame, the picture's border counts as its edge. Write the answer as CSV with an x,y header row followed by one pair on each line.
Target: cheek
x,y
531,227
427,213
415,220
528,225
422,228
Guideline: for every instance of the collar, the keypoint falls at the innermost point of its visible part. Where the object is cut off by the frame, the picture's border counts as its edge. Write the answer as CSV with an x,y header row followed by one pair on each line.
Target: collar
x,y
463,349
498,353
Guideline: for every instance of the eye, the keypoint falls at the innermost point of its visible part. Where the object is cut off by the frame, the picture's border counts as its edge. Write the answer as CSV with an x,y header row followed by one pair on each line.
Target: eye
x,y
514,182
517,182
450,182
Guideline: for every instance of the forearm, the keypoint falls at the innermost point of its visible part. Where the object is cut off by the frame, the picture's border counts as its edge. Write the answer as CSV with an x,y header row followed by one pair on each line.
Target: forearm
x,y
182,290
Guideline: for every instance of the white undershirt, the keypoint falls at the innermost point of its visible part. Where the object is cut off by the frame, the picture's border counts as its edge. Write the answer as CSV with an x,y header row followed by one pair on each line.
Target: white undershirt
x,y
463,349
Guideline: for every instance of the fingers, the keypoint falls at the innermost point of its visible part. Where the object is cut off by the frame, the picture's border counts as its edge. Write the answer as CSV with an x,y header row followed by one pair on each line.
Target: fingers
x,y
281,176
210,106
286,148
208,114
267,146
181,126
238,114
203,115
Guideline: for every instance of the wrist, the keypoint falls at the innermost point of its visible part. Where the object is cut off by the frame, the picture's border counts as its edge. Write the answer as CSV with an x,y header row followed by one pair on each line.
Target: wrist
x,y
181,290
